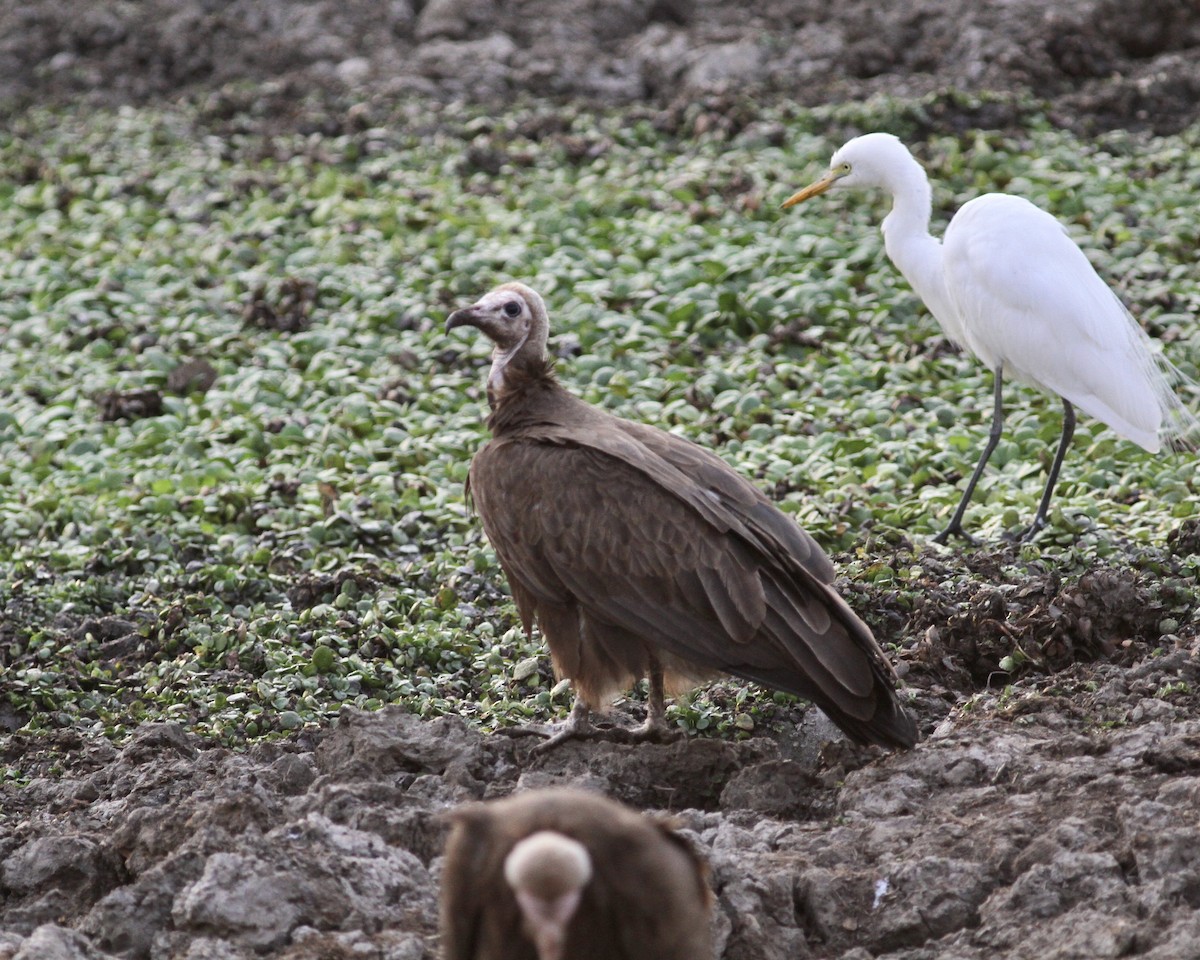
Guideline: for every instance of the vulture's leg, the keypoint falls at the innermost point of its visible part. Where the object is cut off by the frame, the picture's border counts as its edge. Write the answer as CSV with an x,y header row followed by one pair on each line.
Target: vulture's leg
x,y
655,727
578,726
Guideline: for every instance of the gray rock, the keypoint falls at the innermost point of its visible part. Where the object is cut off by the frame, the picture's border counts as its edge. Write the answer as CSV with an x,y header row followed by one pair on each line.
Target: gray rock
x,y
209,948
1165,846
776,788
661,54
454,19
73,864
1071,878
927,899
725,66
1085,934
51,942
392,741
244,898
1181,939
354,70
759,908
127,920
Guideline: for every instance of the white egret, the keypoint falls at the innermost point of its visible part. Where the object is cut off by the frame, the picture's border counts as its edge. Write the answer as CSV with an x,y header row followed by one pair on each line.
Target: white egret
x,y
1008,285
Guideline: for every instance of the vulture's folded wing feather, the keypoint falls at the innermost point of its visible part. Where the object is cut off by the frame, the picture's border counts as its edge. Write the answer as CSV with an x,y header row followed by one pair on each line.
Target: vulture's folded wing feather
x,y
757,516
685,560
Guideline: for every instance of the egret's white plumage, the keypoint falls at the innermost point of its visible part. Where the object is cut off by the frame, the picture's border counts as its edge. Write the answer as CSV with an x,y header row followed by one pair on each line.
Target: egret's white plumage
x,y
1009,285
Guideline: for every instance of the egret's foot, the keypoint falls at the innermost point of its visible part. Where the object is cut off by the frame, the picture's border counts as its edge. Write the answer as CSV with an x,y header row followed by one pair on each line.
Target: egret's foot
x,y
1031,531
954,530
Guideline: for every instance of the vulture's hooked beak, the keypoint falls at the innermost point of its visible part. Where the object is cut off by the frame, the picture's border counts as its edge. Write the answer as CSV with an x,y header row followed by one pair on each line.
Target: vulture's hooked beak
x,y
814,189
466,317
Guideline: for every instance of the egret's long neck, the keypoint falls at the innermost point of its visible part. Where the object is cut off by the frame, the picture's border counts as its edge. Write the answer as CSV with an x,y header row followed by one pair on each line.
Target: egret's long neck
x,y
913,249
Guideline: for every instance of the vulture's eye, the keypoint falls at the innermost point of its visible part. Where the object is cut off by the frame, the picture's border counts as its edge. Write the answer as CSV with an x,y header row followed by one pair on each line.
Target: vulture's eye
x,y
512,309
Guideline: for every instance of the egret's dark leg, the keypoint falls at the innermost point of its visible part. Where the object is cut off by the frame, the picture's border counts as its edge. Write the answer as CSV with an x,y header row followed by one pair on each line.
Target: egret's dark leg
x,y
1068,431
954,527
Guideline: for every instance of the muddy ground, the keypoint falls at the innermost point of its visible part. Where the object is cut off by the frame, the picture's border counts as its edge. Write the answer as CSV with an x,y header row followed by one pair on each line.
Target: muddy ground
x,y
1098,63
1055,818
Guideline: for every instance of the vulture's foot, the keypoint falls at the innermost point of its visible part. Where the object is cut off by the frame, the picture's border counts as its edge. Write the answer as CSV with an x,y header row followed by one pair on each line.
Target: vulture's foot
x,y
571,729
647,732
555,733
655,730
579,726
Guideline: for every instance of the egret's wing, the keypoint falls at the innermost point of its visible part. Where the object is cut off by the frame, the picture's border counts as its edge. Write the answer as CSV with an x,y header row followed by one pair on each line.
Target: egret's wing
x,y
1031,301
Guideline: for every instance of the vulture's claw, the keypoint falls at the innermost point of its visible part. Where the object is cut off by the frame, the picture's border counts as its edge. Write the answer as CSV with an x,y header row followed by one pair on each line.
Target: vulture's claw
x,y
652,732
579,726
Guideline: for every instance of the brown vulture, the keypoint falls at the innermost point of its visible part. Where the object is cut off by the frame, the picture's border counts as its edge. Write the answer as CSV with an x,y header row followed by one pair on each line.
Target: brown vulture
x,y
641,554
563,874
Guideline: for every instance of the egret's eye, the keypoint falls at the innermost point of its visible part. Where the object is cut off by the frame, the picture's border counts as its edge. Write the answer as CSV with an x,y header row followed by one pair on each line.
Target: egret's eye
x,y
512,309
844,168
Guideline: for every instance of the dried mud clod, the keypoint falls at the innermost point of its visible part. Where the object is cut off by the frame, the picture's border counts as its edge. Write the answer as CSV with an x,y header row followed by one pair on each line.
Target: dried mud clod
x,y
1044,624
314,588
1008,619
130,404
192,376
288,310
1184,540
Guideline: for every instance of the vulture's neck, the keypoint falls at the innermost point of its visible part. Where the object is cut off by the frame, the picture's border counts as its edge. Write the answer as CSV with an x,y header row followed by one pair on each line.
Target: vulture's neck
x,y
516,363
518,388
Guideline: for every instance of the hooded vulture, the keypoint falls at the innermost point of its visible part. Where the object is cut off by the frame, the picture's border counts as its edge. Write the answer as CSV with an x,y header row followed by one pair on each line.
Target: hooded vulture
x,y
563,874
641,554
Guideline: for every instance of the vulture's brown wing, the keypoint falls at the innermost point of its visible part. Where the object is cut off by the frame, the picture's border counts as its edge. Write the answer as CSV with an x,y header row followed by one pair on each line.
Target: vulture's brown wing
x,y
650,891
687,556
470,872
758,520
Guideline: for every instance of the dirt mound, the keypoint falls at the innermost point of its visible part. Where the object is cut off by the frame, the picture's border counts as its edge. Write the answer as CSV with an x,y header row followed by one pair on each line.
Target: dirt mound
x,y
1056,820
1102,63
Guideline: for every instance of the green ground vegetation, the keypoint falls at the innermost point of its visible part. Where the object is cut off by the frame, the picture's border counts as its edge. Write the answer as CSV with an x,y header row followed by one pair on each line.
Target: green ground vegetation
x,y
295,538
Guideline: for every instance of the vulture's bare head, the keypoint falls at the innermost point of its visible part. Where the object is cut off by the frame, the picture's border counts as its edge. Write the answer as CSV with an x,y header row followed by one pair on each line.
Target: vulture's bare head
x,y
547,872
514,318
